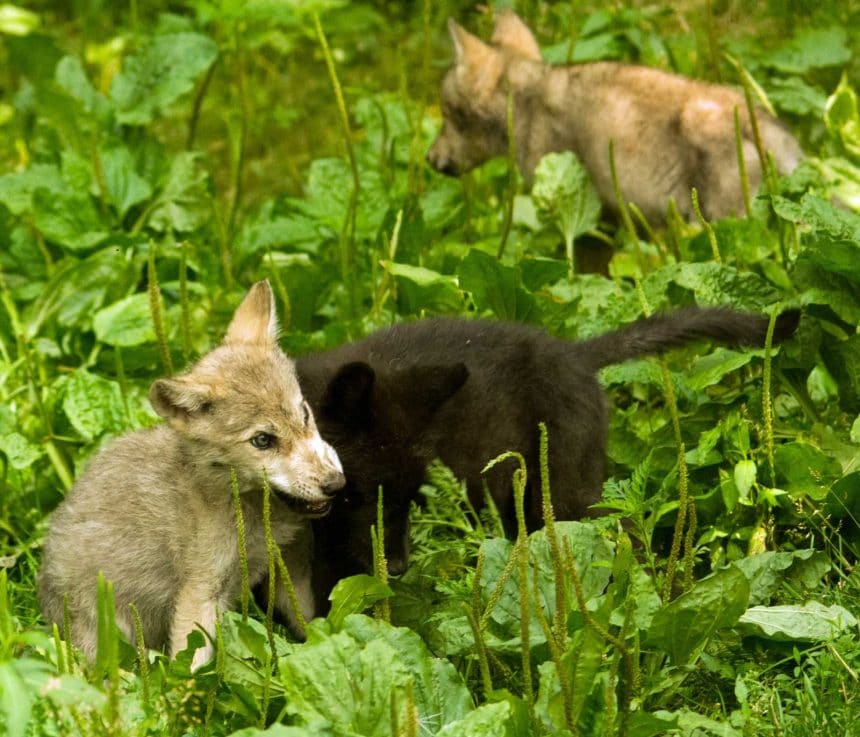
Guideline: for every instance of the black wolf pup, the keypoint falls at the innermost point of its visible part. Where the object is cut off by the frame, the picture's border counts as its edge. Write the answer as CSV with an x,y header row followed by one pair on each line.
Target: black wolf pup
x,y
466,391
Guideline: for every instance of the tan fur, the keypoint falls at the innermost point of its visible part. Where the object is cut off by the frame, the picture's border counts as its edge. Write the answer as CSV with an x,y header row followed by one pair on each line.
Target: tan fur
x,y
670,133
154,513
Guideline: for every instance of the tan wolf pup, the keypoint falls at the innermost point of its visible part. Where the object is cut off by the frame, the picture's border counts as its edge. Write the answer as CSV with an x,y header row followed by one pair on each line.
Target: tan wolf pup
x,y
154,512
670,133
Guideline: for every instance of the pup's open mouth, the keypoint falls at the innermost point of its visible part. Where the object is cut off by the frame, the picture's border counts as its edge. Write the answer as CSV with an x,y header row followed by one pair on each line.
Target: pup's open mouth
x,y
305,507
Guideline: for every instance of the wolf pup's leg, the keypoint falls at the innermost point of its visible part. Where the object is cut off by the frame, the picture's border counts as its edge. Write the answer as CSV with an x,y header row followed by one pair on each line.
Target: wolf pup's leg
x,y
196,606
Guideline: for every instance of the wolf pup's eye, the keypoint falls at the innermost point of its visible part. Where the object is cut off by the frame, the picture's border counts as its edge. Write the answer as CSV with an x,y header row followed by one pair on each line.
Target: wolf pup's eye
x,y
263,441
306,414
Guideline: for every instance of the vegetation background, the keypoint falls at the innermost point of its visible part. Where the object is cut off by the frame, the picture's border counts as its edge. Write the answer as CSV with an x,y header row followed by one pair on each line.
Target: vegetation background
x,y
158,157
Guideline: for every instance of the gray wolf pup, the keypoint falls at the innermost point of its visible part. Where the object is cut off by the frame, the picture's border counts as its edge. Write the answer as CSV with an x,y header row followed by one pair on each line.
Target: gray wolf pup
x,y
465,391
670,133
154,512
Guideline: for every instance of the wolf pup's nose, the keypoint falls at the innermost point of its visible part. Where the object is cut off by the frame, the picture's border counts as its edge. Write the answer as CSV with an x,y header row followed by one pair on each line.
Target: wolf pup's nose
x,y
333,484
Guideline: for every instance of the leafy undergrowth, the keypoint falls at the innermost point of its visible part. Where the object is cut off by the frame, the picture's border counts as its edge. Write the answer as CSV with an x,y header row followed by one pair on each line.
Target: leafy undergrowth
x,y
146,157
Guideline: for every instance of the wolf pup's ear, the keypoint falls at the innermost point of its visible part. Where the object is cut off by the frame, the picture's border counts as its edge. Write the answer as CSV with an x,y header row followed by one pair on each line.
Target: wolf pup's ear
x,y
430,386
177,399
514,35
256,320
349,394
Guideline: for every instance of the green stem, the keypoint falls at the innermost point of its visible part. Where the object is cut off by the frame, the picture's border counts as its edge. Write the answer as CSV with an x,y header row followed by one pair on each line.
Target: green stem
x,y
240,537
512,177
712,237
742,163
155,311
347,241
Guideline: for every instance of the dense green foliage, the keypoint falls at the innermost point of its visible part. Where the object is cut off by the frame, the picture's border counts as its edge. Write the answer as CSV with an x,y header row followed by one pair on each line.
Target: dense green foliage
x,y
157,158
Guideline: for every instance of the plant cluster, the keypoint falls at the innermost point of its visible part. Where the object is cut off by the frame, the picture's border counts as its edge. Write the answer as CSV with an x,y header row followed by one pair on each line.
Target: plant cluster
x,y
157,159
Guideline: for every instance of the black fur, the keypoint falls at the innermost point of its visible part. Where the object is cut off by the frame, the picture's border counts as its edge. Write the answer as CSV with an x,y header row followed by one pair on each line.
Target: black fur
x,y
466,391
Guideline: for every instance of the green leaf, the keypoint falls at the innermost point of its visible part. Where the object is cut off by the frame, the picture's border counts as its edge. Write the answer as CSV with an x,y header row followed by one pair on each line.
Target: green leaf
x,y
843,119
124,186
685,624
353,595
565,196
710,369
19,451
489,720
17,21
538,272
718,284
795,96
496,287
159,73
93,405
16,700
592,554
745,474
17,188
125,323
70,220
421,289
804,469
810,622
765,571
72,78
184,202
812,48
347,680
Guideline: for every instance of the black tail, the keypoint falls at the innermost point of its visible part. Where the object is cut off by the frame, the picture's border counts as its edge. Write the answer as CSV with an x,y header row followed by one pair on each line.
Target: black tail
x,y
659,333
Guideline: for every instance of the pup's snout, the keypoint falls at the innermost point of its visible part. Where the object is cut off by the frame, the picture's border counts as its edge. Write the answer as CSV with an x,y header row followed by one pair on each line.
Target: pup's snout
x,y
396,566
333,483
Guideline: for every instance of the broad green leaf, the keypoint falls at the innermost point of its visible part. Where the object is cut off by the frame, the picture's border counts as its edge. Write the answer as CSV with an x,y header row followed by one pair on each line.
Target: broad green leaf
x,y
184,202
645,724
17,21
496,287
67,690
810,622
347,680
718,284
72,78
328,192
565,196
489,720
592,555
537,272
842,358
685,624
710,369
19,451
767,570
70,220
17,188
124,186
353,595
795,96
77,288
744,476
424,289
16,700
125,323
811,48
804,469
159,73
843,119
93,405
282,730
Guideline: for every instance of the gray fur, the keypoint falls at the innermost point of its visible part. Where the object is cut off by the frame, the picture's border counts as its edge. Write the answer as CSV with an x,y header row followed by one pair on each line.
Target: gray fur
x,y
670,133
